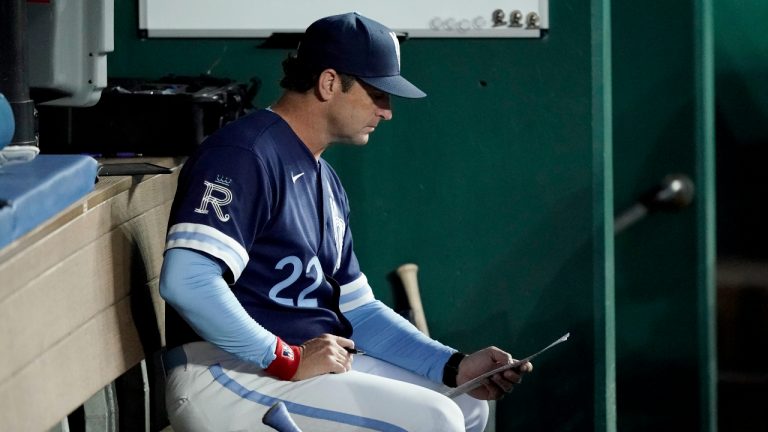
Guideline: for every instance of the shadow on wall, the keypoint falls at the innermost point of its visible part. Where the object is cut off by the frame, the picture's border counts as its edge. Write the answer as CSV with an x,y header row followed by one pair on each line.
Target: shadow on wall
x,y
742,236
742,177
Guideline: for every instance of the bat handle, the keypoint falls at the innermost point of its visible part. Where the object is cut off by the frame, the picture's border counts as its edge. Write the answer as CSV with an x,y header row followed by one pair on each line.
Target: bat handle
x,y
278,418
409,276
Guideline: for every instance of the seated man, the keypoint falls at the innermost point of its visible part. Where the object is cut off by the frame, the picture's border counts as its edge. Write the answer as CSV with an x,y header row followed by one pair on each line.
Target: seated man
x,y
268,300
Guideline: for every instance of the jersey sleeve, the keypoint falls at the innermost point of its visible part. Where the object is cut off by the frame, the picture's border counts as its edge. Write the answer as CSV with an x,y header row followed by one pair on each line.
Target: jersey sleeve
x,y
222,202
384,334
192,283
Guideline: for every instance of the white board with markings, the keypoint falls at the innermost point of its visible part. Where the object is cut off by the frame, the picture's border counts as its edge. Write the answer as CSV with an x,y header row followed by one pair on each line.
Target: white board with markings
x,y
415,18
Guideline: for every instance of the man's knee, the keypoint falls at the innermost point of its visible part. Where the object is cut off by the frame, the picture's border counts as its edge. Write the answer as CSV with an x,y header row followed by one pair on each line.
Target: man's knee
x,y
475,412
440,413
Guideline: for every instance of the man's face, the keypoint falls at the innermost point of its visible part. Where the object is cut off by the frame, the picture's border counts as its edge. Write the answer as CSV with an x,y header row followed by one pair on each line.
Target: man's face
x,y
357,112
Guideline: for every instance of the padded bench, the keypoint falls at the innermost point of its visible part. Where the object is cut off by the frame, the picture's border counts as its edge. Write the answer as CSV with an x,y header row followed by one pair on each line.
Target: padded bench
x,y
33,192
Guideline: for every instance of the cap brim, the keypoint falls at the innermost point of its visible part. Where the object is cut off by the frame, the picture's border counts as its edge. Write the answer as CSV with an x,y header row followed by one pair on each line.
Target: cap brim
x,y
394,85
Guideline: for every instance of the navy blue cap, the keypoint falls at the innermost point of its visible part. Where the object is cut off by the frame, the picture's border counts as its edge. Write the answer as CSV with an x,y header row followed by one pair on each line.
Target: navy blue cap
x,y
355,45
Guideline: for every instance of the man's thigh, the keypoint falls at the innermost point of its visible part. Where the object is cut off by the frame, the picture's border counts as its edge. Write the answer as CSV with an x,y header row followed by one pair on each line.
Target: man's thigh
x,y
475,411
215,391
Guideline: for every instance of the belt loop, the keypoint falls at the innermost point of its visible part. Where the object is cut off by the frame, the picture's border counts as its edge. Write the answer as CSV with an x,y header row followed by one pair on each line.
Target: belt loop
x,y
172,358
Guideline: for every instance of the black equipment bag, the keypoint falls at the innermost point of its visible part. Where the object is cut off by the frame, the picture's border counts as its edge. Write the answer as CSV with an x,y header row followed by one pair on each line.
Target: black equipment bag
x,y
167,117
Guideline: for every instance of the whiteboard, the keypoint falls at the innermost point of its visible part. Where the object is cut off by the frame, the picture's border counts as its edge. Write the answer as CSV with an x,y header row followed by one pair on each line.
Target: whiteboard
x,y
416,18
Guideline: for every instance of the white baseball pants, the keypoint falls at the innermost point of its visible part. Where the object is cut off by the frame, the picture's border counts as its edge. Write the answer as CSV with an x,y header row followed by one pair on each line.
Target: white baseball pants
x,y
215,391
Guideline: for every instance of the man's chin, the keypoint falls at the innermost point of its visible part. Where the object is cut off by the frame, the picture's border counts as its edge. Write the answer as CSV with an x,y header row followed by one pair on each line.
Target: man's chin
x,y
361,140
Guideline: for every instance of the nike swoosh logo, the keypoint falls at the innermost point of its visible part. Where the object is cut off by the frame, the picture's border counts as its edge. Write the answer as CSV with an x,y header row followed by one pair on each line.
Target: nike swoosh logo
x,y
296,177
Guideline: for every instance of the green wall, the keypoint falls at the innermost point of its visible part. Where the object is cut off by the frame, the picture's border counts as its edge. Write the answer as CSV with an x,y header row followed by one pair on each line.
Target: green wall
x,y
742,130
742,150
663,121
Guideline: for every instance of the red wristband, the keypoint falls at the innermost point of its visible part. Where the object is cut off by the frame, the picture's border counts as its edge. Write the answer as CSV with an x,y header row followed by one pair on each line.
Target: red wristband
x,y
286,363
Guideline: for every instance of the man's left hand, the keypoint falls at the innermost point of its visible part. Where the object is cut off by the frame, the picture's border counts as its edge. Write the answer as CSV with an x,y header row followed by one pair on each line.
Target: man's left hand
x,y
496,386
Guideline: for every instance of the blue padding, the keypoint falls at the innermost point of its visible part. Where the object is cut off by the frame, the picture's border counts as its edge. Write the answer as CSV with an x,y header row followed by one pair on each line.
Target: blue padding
x,y
33,192
7,125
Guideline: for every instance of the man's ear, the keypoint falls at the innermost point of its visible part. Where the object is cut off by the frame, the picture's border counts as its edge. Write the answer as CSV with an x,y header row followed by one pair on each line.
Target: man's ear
x,y
328,84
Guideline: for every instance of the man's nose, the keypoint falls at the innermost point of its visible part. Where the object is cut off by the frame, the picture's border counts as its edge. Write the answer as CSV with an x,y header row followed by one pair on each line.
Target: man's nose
x,y
384,106
385,113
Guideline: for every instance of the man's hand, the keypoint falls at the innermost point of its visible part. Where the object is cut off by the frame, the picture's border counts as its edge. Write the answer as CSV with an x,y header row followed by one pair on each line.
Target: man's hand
x,y
497,385
322,355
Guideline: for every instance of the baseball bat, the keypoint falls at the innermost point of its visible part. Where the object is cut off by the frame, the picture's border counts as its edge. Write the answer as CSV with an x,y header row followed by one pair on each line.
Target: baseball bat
x,y
673,193
278,418
408,274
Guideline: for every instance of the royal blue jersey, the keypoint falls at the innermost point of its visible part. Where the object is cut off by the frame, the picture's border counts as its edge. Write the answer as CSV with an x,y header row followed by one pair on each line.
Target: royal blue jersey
x,y
254,197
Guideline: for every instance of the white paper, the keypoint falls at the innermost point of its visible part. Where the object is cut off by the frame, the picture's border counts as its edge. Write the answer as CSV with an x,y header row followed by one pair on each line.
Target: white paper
x,y
478,381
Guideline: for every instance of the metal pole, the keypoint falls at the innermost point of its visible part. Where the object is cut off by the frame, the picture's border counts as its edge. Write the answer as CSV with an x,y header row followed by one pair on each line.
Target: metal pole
x,y
14,72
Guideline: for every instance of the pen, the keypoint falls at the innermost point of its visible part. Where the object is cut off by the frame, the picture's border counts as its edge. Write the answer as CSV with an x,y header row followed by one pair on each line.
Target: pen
x,y
354,351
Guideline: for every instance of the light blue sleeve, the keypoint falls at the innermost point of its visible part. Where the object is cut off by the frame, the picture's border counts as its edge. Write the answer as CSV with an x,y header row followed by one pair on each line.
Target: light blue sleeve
x,y
384,334
193,284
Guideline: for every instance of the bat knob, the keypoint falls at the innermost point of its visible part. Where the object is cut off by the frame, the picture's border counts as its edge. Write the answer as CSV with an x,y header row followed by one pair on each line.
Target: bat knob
x,y
675,192
278,418
407,268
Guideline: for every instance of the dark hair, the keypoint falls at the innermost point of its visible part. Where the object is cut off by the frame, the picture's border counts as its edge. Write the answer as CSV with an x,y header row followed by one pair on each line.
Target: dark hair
x,y
301,78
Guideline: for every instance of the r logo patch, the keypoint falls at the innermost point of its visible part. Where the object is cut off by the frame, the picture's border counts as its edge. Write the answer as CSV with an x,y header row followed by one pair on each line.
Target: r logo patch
x,y
218,196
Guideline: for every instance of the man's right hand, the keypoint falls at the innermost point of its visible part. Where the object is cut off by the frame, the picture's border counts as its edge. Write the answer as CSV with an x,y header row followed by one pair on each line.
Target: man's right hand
x,y
322,355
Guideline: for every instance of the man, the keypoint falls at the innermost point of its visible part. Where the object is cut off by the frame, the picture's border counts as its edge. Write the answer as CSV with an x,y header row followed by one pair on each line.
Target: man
x,y
268,300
